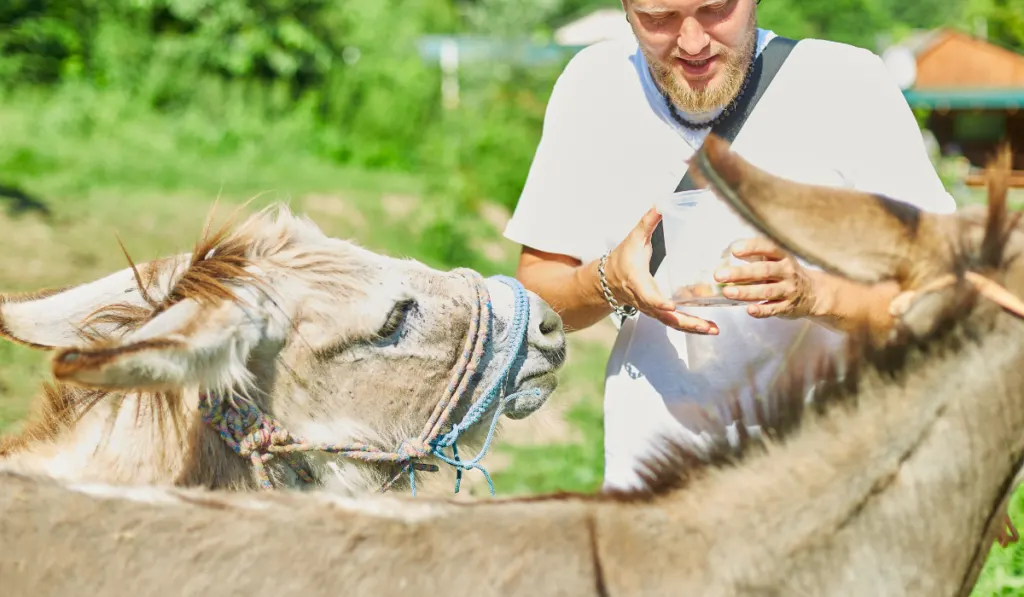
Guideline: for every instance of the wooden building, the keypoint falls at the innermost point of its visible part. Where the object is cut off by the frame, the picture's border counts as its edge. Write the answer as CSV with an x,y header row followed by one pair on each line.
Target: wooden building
x,y
974,91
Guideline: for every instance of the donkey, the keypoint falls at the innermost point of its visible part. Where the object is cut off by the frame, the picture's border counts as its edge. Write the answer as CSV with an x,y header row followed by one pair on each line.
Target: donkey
x,y
267,340
893,482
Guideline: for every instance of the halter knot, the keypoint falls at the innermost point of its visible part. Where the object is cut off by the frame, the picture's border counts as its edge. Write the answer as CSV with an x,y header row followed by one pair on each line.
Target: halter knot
x,y
262,440
414,448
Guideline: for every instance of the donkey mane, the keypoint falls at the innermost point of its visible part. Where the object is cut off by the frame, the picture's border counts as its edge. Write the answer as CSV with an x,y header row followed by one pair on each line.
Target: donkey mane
x,y
674,465
215,260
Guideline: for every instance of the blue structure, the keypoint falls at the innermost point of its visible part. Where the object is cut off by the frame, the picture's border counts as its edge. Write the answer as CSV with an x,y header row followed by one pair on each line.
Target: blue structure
x,y
479,49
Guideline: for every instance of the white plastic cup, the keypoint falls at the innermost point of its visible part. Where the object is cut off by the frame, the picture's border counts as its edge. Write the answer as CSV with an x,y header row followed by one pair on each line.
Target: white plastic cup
x,y
699,232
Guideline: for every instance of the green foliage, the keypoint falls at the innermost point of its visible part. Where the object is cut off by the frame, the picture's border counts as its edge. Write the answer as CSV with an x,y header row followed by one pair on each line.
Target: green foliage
x,y
188,97
1003,20
866,22
925,13
1003,573
345,80
351,68
483,149
511,18
851,21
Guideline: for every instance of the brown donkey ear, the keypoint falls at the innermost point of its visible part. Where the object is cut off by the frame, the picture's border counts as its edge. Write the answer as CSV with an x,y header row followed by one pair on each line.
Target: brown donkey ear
x,y
864,237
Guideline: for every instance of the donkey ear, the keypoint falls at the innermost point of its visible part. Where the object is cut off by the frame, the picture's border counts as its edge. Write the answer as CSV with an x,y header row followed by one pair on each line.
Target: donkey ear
x,y
192,343
54,318
864,237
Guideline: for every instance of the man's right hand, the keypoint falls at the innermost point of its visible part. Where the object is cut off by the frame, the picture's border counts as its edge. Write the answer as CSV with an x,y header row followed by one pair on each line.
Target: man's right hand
x,y
627,272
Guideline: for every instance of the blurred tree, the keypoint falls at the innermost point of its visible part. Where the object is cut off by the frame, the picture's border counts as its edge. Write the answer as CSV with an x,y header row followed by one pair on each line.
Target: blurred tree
x,y
856,22
925,14
1001,20
783,18
571,9
511,18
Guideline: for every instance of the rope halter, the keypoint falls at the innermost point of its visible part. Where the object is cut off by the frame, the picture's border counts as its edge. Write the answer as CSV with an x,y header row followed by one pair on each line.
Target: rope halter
x,y
253,434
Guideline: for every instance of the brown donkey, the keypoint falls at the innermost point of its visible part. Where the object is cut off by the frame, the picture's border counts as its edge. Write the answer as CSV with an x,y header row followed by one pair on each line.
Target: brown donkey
x,y
894,484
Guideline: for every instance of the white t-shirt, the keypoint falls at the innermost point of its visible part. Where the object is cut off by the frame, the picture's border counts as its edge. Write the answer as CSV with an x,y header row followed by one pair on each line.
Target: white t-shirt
x,y
609,151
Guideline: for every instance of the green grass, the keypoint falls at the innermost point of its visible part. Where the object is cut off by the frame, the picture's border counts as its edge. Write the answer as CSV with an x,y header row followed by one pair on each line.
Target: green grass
x,y
572,465
1003,574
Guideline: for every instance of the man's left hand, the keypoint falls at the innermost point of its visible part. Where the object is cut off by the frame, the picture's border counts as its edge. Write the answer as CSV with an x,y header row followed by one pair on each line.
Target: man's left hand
x,y
773,278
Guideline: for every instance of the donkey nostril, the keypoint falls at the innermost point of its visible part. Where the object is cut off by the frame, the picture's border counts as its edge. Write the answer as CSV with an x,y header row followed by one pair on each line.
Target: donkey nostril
x,y
551,323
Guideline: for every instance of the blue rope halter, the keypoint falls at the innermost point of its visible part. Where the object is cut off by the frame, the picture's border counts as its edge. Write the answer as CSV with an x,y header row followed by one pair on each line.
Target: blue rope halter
x,y
518,330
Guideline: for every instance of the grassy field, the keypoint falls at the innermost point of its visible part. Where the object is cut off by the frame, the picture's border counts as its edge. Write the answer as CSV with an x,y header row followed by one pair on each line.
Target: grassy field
x,y
72,181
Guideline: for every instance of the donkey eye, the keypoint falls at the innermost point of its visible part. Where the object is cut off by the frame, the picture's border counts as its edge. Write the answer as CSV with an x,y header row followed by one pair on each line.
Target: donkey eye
x,y
396,317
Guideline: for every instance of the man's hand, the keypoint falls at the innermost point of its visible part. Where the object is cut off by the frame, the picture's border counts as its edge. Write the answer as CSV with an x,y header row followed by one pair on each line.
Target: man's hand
x,y
630,282
773,278
791,291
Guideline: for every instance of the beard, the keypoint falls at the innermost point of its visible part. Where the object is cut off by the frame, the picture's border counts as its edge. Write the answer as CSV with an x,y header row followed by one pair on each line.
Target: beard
x,y
716,94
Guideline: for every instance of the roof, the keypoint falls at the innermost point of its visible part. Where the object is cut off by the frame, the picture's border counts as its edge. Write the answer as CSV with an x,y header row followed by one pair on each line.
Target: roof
x,y
952,59
955,71
959,99
920,41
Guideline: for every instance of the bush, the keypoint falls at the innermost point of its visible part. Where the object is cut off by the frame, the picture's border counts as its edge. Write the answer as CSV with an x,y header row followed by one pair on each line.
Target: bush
x,y
346,78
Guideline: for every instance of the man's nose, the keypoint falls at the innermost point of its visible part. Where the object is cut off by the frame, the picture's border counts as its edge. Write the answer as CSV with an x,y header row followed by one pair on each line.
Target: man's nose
x,y
692,37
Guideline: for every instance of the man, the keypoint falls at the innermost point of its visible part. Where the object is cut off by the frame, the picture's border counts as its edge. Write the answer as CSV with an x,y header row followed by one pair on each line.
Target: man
x,y
622,121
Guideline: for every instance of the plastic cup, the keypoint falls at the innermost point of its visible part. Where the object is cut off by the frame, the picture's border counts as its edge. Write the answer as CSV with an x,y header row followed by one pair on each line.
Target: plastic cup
x,y
699,231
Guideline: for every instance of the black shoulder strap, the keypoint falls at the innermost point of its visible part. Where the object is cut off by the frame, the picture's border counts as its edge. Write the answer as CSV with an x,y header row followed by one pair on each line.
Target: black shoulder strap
x,y
765,67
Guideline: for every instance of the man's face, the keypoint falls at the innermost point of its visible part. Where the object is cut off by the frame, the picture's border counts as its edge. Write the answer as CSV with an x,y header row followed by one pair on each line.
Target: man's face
x,y
698,50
